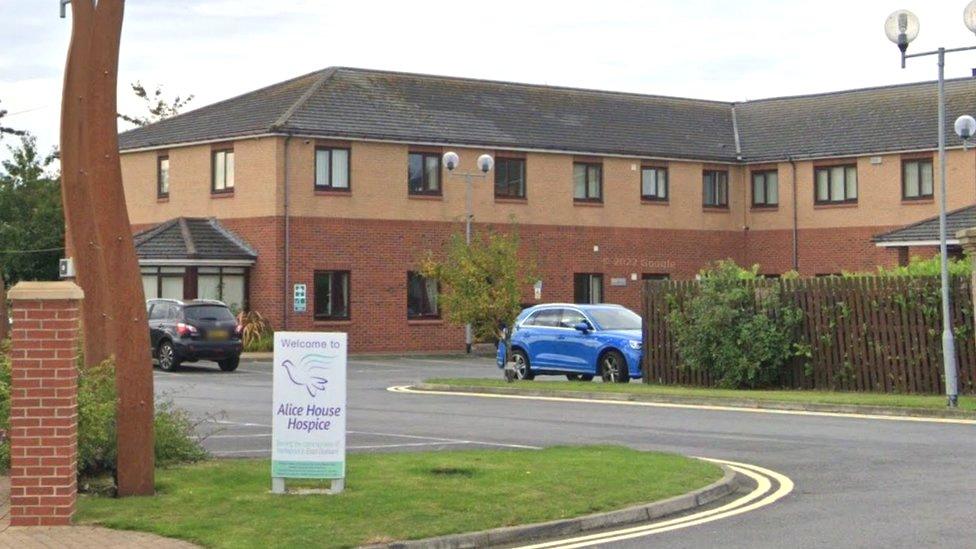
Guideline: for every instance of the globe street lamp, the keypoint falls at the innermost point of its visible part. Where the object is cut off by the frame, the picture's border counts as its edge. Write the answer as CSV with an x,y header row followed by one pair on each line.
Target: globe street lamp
x,y
902,27
485,164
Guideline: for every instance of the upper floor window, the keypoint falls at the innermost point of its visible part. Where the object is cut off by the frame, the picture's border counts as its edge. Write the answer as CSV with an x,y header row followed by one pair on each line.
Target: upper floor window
x,y
421,296
765,189
510,177
223,171
588,182
654,183
162,176
588,288
331,169
835,184
715,188
331,295
424,173
916,179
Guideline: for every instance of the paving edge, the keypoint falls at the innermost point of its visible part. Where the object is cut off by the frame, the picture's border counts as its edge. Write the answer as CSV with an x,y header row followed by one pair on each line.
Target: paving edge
x,y
706,401
567,527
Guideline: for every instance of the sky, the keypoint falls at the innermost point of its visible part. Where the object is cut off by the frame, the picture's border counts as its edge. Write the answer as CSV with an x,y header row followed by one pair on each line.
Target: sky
x,y
711,49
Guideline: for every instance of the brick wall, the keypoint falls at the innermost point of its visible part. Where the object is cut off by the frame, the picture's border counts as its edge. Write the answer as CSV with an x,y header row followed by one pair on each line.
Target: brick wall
x,y
44,402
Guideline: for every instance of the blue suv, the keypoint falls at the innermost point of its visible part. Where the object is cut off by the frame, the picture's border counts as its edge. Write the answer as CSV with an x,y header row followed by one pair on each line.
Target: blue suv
x,y
578,341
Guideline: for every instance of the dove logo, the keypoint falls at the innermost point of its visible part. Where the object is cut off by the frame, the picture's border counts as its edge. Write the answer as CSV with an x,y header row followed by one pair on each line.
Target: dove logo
x,y
310,372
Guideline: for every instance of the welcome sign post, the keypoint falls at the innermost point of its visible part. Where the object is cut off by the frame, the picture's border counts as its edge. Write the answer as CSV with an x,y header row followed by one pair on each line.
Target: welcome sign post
x,y
308,438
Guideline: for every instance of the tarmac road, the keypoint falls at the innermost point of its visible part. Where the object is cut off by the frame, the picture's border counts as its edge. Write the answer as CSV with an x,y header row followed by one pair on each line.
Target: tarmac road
x,y
858,482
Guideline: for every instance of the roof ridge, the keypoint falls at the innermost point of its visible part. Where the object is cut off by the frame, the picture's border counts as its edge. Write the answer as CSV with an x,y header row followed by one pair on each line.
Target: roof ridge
x,y
302,99
535,86
233,237
146,234
855,90
191,247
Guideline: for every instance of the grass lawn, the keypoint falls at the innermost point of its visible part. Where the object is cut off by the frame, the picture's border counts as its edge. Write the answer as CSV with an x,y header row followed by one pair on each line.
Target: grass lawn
x,y
391,496
812,397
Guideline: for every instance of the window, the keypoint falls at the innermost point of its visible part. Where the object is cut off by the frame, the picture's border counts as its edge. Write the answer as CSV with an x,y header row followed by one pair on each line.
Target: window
x,y
916,179
765,189
331,169
654,183
655,276
835,184
588,182
424,173
715,189
510,178
421,296
588,288
223,284
223,171
548,318
162,176
331,295
163,282
570,318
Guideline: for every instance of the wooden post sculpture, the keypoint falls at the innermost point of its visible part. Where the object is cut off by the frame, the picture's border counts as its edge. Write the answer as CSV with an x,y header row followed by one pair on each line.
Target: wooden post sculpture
x,y
99,236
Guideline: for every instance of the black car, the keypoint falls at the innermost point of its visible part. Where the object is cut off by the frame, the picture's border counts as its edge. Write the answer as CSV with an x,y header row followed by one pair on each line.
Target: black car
x,y
188,331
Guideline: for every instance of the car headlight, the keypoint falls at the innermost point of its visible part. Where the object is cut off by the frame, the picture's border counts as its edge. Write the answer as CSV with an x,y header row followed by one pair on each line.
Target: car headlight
x,y
635,344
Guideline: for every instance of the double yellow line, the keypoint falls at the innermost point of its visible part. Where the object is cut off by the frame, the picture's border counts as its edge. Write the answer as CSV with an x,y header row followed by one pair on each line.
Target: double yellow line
x,y
764,494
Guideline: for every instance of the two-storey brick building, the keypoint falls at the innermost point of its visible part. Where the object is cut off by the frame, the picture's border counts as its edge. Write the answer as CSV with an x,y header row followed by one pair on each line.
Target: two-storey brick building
x,y
334,180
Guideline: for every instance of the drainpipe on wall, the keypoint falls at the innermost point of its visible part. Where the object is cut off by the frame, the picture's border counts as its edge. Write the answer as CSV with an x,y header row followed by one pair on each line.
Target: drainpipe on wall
x,y
796,232
287,254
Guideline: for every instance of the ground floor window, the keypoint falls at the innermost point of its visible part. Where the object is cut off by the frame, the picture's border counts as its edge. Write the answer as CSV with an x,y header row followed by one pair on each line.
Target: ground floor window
x,y
223,284
421,296
226,284
163,282
588,288
331,295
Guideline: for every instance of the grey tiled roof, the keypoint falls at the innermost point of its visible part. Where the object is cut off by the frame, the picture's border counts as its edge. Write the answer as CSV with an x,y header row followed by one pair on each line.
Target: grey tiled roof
x,y
928,229
191,238
358,103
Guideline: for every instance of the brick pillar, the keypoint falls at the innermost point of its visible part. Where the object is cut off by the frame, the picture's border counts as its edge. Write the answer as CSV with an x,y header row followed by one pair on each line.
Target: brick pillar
x,y
44,403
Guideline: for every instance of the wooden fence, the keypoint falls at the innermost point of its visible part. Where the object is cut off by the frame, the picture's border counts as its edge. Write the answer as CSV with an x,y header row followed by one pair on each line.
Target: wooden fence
x,y
880,334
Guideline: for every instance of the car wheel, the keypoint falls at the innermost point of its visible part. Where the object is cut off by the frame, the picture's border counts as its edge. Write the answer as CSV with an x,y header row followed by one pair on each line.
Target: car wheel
x,y
613,368
522,371
229,365
166,355
579,377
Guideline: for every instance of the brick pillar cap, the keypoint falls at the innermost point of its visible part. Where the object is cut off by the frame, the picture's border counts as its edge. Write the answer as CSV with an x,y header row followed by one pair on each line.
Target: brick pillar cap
x,y
62,290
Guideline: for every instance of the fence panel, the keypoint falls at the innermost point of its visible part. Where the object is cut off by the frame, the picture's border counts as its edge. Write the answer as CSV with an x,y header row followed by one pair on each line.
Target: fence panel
x,y
880,334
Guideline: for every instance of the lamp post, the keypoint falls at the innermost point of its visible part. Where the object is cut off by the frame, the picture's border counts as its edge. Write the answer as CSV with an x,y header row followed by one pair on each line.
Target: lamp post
x,y
902,27
485,163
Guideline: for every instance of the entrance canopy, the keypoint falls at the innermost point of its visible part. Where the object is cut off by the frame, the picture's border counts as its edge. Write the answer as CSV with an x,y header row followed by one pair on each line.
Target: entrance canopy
x,y
195,258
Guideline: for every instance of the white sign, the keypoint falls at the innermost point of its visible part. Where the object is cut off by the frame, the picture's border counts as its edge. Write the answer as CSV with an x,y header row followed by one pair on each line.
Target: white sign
x,y
308,438
300,298
537,289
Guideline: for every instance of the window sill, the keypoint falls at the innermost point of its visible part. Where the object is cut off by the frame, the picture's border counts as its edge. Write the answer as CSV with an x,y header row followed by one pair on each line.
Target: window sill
x,y
221,194
508,200
716,209
654,202
834,206
424,321
162,199
588,203
329,192
913,201
760,209
425,196
332,320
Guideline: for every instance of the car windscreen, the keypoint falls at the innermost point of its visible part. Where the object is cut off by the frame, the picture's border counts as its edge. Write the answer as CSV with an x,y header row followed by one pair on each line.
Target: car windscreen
x,y
208,312
616,319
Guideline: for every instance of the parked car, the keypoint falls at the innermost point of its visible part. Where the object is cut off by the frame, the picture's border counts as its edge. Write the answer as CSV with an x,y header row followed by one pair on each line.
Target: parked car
x,y
578,341
188,331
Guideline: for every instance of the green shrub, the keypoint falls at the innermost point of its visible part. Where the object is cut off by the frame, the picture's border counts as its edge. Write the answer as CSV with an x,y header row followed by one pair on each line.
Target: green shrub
x,y
175,441
741,334
924,267
260,344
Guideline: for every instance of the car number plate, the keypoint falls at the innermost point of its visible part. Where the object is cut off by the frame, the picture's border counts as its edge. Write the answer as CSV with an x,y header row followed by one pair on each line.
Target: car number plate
x,y
217,335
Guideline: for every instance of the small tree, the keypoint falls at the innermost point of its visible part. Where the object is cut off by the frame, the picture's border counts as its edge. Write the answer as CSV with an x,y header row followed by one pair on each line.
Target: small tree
x,y
740,333
5,130
481,283
157,107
